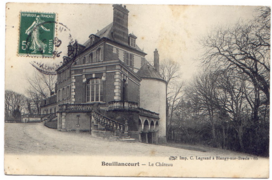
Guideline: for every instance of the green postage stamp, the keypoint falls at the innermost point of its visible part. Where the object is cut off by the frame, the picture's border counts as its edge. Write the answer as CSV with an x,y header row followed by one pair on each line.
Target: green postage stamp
x,y
37,32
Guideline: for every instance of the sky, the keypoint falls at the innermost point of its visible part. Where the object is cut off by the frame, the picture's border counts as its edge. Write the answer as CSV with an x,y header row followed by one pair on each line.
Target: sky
x,y
175,30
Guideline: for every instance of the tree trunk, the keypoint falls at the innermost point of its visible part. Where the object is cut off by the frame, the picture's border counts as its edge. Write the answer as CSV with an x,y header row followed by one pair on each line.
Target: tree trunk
x,y
224,137
240,136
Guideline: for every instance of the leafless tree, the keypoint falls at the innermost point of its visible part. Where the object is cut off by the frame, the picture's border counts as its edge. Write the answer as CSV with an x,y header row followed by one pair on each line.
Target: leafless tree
x,y
205,89
40,87
170,72
14,100
229,101
246,47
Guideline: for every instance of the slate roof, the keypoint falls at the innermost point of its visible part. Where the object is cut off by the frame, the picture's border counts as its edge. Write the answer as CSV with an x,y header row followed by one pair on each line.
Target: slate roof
x,y
148,71
106,32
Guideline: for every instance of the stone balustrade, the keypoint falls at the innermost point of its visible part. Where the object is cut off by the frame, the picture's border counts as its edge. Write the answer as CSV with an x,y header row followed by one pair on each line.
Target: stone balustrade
x,y
76,107
120,105
108,123
147,113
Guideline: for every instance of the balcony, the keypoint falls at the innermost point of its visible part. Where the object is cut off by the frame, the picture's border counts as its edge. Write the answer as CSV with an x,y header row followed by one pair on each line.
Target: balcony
x,y
120,105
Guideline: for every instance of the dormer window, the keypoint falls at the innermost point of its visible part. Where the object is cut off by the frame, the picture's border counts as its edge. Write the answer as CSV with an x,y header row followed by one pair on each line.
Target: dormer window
x,y
132,40
93,39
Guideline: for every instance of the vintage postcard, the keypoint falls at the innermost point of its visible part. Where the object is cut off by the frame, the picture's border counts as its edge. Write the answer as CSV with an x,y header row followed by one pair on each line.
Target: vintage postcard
x,y
137,90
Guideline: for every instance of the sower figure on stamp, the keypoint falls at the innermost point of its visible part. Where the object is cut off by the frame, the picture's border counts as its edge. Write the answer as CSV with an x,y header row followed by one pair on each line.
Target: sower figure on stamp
x,y
36,43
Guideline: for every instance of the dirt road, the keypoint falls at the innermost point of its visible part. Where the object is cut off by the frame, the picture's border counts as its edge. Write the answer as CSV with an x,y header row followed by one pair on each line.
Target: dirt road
x,y
34,138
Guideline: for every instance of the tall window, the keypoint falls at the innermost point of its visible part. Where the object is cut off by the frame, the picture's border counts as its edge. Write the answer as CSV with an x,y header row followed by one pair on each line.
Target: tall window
x,y
63,93
126,58
94,90
129,58
91,58
84,60
95,56
59,95
68,92
98,55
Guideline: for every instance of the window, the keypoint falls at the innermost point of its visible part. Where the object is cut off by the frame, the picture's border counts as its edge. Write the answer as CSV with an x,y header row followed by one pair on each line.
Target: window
x,y
132,42
68,92
65,74
92,39
59,78
94,58
84,60
126,57
98,55
94,90
129,58
63,93
91,58
60,95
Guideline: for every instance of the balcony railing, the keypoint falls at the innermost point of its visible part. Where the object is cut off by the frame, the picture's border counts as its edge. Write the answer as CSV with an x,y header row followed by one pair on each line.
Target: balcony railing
x,y
120,105
148,113
76,107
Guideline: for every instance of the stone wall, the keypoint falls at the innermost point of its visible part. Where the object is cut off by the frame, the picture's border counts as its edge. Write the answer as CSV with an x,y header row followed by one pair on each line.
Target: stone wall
x,y
71,122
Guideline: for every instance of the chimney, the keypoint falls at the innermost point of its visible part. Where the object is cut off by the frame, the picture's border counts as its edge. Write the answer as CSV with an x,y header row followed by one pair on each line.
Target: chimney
x,y
120,24
156,60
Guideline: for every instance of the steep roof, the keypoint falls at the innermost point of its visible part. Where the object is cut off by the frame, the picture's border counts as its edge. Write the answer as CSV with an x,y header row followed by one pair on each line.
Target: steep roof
x,y
148,71
106,32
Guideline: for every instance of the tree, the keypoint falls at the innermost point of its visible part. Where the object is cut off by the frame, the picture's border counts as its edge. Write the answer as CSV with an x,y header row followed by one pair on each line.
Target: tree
x,y
42,84
245,47
40,87
14,100
169,71
235,90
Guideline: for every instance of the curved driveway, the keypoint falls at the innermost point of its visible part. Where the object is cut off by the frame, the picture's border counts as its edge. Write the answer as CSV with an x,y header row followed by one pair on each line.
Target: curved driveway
x,y
34,138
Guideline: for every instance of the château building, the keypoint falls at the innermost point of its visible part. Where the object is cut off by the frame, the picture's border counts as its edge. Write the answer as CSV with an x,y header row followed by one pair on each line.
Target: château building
x,y
107,87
